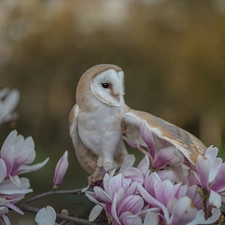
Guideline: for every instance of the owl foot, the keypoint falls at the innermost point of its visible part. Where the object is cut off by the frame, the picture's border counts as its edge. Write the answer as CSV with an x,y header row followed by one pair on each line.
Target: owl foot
x,y
108,166
96,176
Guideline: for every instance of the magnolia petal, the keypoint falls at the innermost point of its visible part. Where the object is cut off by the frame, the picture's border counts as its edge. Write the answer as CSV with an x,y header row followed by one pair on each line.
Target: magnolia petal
x,y
211,153
203,168
128,162
129,219
16,192
134,174
215,199
193,193
24,157
2,170
200,218
214,169
3,202
151,218
116,183
132,189
111,173
15,208
8,142
6,220
132,203
106,180
19,141
193,178
182,191
46,215
11,137
29,144
30,168
184,212
8,154
153,202
95,212
168,156
218,184
165,192
101,194
143,166
129,142
181,173
61,169
15,180
147,137
119,196
167,175
177,188
152,183
7,187
113,209
93,199
116,201
24,183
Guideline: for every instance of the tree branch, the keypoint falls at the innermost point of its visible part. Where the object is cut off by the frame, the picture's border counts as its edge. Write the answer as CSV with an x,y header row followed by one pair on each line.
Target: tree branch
x,y
27,208
75,191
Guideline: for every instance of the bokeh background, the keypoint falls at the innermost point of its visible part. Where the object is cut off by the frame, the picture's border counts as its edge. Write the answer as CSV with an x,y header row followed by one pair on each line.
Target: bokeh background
x,y
172,53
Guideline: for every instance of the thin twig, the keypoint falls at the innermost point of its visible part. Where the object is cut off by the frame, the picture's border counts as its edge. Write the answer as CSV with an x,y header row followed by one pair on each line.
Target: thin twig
x,y
27,208
60,192
63,222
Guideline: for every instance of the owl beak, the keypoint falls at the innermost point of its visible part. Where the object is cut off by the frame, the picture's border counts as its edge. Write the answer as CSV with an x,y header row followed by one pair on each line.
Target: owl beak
x,y
116,95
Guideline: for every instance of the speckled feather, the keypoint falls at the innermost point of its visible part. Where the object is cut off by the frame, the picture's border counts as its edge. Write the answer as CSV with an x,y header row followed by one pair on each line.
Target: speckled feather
x,y
184,141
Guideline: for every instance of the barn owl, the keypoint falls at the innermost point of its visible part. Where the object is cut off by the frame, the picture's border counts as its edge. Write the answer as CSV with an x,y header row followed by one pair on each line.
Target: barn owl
x,y
100,118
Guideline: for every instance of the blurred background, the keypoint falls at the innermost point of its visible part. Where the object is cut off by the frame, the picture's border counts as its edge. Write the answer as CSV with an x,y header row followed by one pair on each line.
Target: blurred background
x,y
172,53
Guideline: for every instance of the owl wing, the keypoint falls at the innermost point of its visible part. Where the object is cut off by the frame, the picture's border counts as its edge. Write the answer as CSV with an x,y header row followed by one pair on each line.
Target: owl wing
x,y
86,158
165,134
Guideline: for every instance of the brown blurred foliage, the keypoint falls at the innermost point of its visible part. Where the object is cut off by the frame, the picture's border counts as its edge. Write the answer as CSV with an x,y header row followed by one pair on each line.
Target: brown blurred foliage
x,y
172,53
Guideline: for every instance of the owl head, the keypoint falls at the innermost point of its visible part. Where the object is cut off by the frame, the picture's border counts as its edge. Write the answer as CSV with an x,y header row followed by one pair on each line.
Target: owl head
x,y
104,83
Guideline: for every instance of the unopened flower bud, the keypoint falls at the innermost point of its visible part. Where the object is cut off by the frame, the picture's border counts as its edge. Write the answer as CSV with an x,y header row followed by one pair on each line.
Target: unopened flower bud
x,y
60,170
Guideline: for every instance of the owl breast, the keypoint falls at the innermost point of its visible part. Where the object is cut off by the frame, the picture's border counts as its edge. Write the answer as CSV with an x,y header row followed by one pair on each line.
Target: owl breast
x,y
96,128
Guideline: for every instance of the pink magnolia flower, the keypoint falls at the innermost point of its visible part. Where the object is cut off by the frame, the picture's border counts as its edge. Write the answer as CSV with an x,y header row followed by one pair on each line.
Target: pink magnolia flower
x,y
180,194
159,186
119,196
173,211
184,174
115,189
209,174
46,216
10,194
210,171
17,153
60,170
132,173
8,101
131,211
170,198
3,170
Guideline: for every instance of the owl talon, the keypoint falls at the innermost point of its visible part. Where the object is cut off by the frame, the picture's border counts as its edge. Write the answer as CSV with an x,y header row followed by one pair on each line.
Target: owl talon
x,y
96,176
108,166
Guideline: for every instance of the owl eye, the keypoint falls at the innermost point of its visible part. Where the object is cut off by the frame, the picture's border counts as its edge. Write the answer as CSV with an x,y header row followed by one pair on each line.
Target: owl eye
x,y
105,85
